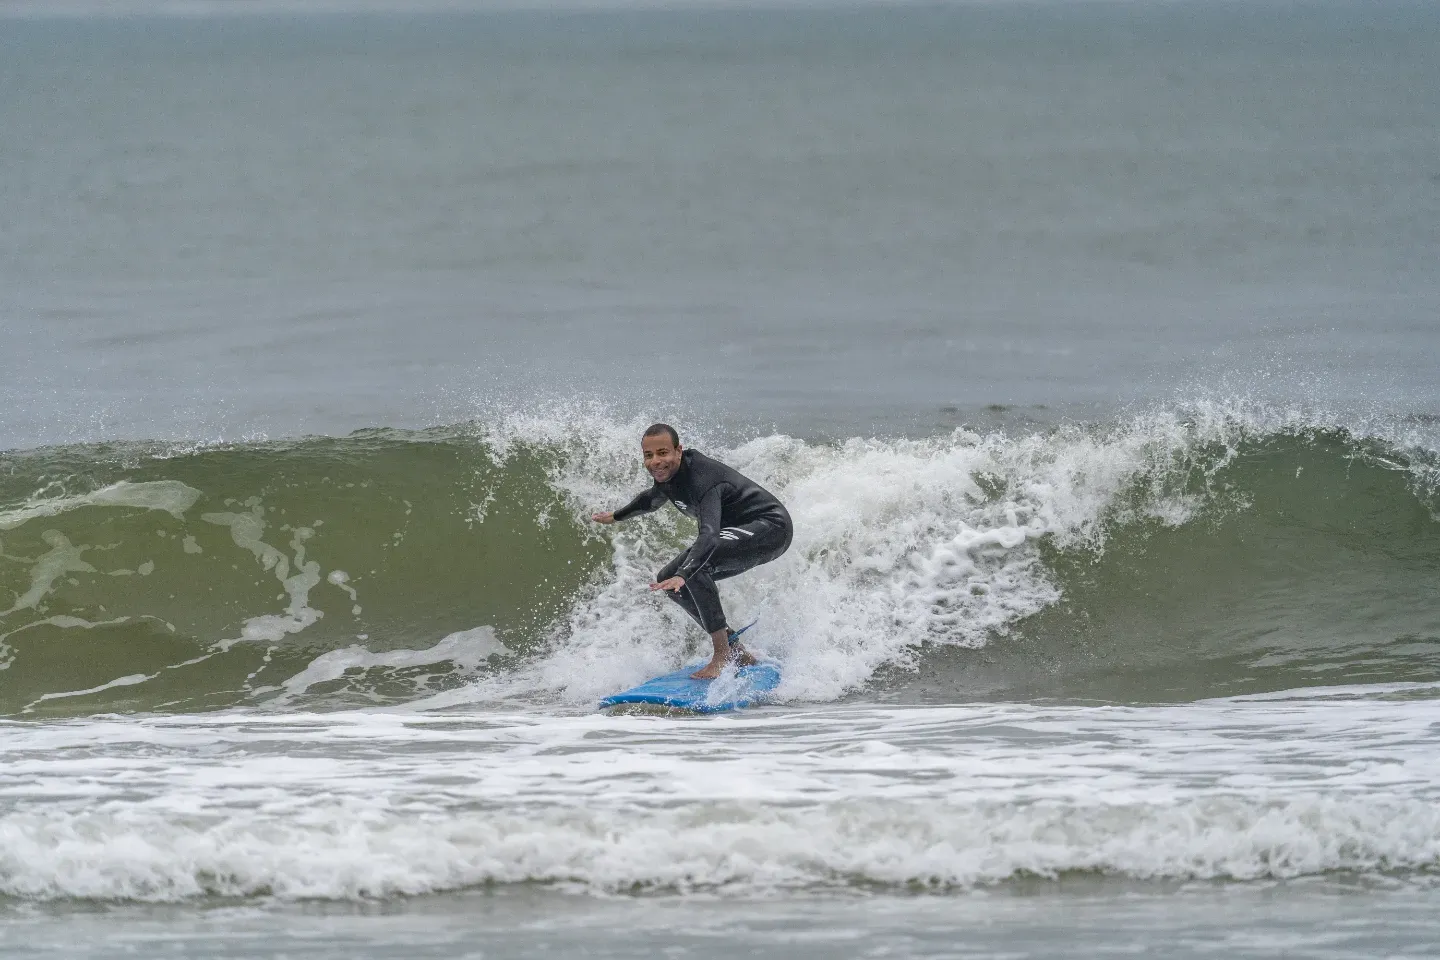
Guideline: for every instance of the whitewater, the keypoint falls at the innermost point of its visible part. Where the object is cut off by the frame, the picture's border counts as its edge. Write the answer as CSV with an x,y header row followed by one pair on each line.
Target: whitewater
x,y
852,800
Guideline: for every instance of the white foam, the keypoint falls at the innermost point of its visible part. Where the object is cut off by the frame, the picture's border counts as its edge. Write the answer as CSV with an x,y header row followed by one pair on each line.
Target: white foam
x,y
126,681
898,543
467,650
378,804
341,579
247,530
354,850
63,557
170,496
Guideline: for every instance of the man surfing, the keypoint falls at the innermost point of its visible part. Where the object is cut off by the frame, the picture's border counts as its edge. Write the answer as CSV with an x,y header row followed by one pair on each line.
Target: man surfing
x,y
742,525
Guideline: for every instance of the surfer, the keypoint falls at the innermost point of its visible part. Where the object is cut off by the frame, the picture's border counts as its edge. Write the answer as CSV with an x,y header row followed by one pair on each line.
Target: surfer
x,y
742,525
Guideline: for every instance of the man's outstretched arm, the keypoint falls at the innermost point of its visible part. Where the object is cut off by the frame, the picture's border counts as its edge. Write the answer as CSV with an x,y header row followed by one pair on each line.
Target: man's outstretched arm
x,y
646,502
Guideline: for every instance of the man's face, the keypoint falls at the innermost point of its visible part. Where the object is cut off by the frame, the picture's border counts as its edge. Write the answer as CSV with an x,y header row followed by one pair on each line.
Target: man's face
x,y
662,458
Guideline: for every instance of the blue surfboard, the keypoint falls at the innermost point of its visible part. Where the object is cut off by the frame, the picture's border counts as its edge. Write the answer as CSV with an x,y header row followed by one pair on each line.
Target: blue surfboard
x,y
676,692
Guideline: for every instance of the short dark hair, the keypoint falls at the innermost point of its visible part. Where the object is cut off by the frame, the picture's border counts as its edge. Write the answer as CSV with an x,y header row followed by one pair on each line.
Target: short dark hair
x,y
656,429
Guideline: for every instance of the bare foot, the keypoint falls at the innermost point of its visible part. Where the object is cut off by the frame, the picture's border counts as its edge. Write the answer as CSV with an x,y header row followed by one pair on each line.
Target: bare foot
x,y
710,671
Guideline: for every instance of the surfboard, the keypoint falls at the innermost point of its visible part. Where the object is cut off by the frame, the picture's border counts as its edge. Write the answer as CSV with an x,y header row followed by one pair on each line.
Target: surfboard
x,y
677,693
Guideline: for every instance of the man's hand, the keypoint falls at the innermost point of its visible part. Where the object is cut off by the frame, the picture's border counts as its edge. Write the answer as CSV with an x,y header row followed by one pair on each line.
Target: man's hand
x,y
673,584
603,517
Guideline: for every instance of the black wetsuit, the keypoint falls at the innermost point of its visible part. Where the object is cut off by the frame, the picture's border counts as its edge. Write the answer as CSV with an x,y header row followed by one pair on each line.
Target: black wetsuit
x,y
742,525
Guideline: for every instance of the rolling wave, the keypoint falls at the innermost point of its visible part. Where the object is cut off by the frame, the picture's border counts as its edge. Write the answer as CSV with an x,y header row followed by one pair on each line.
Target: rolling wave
x,y
1173,555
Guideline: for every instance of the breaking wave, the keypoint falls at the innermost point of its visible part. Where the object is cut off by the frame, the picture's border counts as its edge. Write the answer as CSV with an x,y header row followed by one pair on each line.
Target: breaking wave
x,y
1176,554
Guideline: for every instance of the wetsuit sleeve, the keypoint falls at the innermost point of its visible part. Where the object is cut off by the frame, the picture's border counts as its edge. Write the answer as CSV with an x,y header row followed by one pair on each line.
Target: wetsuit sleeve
x,y
709,536
647,501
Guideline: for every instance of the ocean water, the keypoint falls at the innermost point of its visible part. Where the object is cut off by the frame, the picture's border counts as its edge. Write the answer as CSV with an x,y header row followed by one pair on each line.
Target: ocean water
x,y
1091,345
